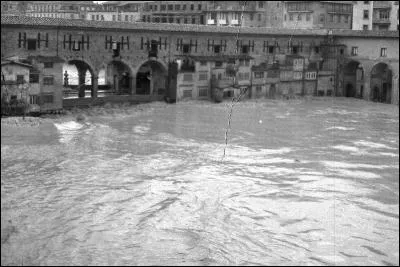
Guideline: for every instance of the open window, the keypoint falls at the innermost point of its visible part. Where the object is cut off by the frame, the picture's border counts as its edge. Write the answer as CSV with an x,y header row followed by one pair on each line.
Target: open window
x,y
217,48
31,44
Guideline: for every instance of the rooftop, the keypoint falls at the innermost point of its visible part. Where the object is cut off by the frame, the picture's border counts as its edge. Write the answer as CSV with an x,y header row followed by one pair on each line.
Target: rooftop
x,y
172,27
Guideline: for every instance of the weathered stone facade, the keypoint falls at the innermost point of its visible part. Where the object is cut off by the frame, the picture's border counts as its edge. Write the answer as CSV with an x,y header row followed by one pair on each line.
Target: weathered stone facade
x,y
95,45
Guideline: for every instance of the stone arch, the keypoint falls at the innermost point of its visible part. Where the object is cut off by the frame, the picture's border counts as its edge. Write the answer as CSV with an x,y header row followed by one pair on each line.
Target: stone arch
x,y
82,84
151,78
381,76
119,76
353,79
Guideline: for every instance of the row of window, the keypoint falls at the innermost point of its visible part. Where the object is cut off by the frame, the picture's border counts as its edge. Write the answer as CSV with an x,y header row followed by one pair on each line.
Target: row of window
x,y
47,98
176,7
354,51
171,19
332,18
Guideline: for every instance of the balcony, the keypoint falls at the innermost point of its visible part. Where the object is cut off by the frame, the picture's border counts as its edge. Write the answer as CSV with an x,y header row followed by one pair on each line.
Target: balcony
x,y
381,21
210,22
222,21
382,4
235,22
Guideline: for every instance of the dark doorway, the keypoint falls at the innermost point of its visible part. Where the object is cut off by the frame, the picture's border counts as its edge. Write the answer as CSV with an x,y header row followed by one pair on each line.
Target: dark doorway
x,y
350,92
272,91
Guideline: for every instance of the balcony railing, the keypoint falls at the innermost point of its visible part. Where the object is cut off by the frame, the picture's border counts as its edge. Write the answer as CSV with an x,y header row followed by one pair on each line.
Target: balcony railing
x,y
381,20
382,4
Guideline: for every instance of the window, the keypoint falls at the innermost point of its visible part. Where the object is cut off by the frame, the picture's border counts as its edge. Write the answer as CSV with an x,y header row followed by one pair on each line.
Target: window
x,y
251,16
260,4
92,17
191,7
163,7
126,18
203,76
187,77
245,49
34,77
258,89
366,14
186,48
308,17
217,48
203,91
246,75
218,63
48,80
354,51
299,17
48,65
34,99
259,74
184,7
177,7
47,98
270,49
170,7
383,52
31,44
366,2
155,8
193,20
219,76
113,17
365,27
259,17
170,19
203,63
187,93
290,16
199,7
346,19
322,18
20,79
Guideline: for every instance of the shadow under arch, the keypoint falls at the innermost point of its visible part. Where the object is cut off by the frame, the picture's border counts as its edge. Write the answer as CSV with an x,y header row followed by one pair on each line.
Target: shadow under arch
x,y
151,79
119,77
83,83
381,83
353,79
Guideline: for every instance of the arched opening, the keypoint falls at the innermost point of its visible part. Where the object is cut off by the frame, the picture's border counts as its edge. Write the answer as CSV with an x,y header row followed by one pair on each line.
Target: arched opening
x,y
77,79
353,75
272,91
151,79
118,78
381,82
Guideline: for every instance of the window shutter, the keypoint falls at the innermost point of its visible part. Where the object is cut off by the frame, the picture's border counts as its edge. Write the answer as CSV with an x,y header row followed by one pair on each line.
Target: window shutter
x,y
19,40
165,43
141,43
24,39
87,42
195,47
47,40
38,40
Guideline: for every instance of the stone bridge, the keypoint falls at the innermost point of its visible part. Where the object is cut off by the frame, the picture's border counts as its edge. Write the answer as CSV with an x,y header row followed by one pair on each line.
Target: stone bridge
x,y
137,58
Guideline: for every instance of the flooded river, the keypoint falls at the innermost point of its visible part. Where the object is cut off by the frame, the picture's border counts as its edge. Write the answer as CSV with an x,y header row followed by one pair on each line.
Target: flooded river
x,y
302,183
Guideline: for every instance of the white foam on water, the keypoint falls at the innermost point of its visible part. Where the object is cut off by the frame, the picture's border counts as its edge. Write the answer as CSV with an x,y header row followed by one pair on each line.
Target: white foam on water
x,y
371,144
357,174
68,126
340,128
389,154
336,164
141,129
346,148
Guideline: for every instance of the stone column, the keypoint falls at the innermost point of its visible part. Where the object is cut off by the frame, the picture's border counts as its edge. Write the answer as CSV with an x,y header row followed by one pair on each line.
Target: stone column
x,y
82,77
95,86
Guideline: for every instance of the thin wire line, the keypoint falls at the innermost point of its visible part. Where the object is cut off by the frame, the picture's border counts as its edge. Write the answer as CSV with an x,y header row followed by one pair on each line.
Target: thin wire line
x,y
234,81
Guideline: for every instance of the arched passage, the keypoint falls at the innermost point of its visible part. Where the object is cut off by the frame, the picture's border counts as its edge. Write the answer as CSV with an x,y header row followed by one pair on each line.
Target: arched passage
x,y
119,77
381,83
79,79
151,79
353,79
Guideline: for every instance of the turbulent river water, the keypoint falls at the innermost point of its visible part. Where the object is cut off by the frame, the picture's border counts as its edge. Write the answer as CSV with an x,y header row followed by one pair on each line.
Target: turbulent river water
x,y
303,182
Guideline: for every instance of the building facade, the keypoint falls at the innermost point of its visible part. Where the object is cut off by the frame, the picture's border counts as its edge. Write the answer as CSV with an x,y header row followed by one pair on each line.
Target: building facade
x,y
317,14
376,15
154,61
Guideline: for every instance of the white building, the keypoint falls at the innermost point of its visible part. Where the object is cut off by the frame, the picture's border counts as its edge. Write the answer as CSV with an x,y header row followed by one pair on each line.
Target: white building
x,y
376,15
